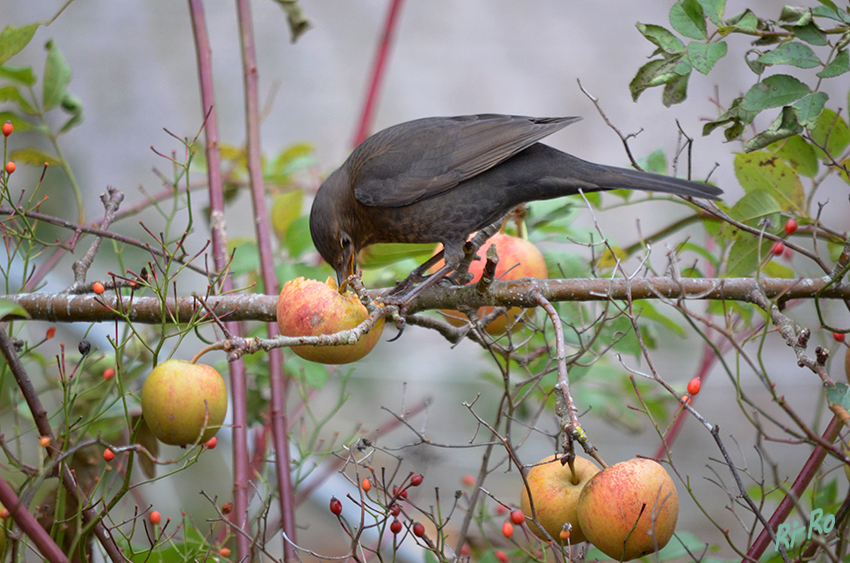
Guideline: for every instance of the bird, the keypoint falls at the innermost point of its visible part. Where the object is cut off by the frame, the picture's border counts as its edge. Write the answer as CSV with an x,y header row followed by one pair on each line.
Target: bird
x,y
439,179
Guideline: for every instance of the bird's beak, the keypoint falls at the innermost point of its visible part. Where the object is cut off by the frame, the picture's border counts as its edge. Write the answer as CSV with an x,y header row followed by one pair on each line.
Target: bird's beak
x,y
350,269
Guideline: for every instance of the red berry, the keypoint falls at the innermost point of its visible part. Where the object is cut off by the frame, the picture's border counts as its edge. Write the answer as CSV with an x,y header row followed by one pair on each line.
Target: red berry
x,y
508,529
400,493
212,443
778,248
108,454
501,556
517,517
395,527
98,288
790,227
788,254
838,336
51,332
366,484
155,517
693,386
465,550
8,128
108,374
395,510
419,529
336,506
468,480
501,509
10,167
416,480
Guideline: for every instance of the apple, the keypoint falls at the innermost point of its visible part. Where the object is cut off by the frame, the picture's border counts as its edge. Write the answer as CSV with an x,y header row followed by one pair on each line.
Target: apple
x,y
180,400
518,259
629,509
310,308
556,496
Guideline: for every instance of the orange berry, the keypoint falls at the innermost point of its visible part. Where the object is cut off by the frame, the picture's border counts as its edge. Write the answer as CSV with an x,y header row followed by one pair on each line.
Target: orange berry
x,y
224,552
564,535
98,288
4,512
212,443
108,374
468,480
8,128
838,336
51,332
10,167
44,441
155,517
108,455
686,399
366,484
694,385
508,529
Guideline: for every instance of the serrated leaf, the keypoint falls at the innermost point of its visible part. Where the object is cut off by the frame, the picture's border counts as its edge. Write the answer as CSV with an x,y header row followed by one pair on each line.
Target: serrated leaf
x,y
745,21
784,126
9,308
838,66
774,91
286,207
831,131
57,76
21,75
761,170
662,37
714,10
799,154
703,56
34,157
686,17
14,39
792,53
811,34
809,107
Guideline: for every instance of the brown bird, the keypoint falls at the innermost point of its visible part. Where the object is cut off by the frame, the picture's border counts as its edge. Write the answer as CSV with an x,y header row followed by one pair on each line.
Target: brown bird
x,y
439,179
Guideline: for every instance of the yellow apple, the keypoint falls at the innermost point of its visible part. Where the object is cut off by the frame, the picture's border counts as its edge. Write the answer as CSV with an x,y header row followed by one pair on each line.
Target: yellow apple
x,y
556,496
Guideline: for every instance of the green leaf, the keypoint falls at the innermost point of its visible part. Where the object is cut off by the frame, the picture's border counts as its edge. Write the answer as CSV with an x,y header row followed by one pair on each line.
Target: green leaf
x,y
839,65
651,313
297,239
744,256
17,122
774,91
312,373
799,154
703,56
839,395
294,157
34,157
662,37
774,269
286,207
21,75
246,256
736,117
656,162
792,53
754,207
746,21
761,170
686,17
8,308
832,131
57,76
73,105
676,91
811,34
714,10
11,94
13,39
655,73
809,107
784,126
384,254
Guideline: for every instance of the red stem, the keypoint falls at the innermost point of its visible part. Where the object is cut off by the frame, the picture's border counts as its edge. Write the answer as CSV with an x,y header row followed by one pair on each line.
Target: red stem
x,y
809,471
30,526
277,378
219,248
378,72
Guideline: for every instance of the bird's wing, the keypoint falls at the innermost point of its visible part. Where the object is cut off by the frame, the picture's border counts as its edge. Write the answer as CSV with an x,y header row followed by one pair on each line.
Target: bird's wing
x,y
423,158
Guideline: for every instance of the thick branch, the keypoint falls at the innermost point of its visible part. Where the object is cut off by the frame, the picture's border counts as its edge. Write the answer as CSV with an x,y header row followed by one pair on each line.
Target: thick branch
x,y
518,293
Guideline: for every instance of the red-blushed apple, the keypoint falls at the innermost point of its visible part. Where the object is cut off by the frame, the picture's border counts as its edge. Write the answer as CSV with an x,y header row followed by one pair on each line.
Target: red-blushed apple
x,y
629,509
180,400
518,258
556,495
311,308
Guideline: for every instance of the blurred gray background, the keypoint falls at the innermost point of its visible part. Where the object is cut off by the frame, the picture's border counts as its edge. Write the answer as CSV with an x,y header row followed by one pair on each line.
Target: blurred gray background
x,y
134,70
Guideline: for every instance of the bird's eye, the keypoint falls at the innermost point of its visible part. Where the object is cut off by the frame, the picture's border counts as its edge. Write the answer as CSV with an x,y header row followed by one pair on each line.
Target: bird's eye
x,y
345,242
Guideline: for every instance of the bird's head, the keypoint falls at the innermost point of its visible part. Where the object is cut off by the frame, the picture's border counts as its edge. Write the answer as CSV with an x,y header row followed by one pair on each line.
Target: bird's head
x,y
330,235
